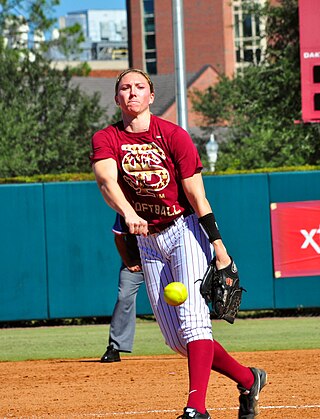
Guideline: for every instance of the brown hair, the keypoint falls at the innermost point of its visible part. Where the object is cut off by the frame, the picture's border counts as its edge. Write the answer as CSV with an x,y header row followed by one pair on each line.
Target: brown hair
x,y
133,70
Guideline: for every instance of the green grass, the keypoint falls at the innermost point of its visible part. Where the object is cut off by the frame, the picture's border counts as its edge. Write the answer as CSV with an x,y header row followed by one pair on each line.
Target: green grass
x,y
269,334
54,342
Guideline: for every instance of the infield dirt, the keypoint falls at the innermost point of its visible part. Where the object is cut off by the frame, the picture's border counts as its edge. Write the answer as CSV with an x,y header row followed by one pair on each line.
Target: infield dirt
x,y
153,387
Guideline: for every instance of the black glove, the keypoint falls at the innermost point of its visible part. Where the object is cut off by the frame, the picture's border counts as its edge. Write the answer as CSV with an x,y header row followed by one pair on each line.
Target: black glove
x,y
221,287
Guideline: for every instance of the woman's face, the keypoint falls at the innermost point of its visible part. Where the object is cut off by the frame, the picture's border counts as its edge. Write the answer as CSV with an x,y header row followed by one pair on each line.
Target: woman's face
x,y
134,95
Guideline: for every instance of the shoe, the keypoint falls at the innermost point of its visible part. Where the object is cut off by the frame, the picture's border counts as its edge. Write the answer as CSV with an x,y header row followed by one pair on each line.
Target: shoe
x,y
190,413
249,398
111,355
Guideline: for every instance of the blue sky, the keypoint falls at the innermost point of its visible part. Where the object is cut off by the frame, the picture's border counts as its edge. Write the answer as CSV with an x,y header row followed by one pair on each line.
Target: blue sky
x,y
73,6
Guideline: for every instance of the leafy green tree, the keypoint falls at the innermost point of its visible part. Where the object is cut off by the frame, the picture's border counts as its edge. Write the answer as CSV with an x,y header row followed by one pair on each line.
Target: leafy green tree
x,y
45,123
261,104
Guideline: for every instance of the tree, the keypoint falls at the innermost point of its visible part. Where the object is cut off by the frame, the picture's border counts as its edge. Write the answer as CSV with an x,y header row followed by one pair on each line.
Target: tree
x,y
261,104
45,123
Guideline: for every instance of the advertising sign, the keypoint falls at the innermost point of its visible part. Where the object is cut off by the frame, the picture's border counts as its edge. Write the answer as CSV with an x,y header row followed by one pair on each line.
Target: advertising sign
x,y
296,238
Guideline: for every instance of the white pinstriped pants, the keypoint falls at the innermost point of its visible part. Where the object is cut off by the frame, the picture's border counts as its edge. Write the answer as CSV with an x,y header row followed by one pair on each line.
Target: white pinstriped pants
x,y
179,253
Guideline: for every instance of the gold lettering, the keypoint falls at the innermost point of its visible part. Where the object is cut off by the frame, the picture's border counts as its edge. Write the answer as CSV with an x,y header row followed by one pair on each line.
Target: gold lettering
x,y
175,211
137,206
145,207
157,209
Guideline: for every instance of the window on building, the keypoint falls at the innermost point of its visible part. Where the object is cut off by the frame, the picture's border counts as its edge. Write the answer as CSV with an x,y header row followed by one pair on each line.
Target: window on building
x,y
150,53
151,67
149,24
150,43
148,7
248,31
247,26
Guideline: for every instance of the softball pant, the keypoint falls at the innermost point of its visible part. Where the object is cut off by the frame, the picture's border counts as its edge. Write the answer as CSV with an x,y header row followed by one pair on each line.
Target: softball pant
x,y
179,253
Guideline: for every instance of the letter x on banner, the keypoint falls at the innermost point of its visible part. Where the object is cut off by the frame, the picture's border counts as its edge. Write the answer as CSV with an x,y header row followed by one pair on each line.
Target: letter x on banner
x,y
296,238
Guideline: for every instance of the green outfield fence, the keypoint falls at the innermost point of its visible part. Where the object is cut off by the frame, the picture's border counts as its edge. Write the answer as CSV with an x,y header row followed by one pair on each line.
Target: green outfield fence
x,y
58,258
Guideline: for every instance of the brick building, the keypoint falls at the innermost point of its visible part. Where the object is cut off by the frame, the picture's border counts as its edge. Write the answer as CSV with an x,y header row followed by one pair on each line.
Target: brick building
x,y
216,33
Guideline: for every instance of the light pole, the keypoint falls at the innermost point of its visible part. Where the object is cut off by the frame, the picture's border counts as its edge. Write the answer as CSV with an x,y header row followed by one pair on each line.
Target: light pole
x,y
180,65
212,152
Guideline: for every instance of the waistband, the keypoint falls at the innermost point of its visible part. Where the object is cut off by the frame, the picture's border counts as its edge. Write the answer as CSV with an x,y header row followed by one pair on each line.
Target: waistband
x,y
154,229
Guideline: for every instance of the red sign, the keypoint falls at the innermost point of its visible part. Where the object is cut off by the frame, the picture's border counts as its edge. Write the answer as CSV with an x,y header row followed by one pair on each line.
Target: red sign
x,y
309,18
296,238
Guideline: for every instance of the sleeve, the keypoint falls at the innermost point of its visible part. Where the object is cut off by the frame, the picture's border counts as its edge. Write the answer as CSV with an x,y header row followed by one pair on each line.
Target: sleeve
x,y
186,156
119,226
103,145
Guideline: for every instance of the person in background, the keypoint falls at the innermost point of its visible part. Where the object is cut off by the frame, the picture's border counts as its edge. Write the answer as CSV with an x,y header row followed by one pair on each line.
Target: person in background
x,y
123,322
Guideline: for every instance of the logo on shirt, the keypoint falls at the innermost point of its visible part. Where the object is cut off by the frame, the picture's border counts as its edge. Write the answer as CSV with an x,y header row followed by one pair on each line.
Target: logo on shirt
x,y
144,165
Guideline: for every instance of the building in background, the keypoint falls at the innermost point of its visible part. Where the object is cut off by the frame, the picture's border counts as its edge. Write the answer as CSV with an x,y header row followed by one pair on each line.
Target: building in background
x,y
105,31
216,33
99,25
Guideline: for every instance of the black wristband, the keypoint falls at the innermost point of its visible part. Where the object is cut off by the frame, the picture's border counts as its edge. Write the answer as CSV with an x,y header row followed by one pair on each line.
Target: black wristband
x,y
209,224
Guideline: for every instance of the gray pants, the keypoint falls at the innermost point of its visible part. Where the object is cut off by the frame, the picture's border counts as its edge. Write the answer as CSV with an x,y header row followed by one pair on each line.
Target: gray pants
x,y
123,322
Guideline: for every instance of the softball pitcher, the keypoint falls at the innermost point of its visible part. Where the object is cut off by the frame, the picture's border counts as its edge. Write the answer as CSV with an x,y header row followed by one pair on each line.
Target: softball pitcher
x,y
149,171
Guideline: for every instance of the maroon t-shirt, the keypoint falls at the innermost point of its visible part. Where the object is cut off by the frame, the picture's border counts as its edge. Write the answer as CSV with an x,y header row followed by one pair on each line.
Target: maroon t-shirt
x,y
151,165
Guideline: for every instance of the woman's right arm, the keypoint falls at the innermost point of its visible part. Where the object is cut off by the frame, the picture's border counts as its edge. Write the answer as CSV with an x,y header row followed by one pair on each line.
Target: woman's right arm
x,y
106,173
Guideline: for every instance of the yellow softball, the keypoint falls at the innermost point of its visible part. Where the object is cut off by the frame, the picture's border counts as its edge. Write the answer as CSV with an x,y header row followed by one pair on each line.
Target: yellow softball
x,y
175,293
